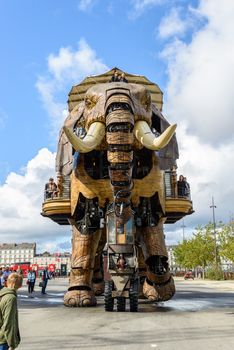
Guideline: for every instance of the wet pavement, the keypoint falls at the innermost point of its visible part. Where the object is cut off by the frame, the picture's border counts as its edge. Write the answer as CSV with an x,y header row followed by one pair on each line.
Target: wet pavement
x,y
200,315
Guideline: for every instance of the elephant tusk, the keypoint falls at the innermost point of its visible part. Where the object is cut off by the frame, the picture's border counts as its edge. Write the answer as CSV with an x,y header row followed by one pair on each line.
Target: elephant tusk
x,y
92,139
145,136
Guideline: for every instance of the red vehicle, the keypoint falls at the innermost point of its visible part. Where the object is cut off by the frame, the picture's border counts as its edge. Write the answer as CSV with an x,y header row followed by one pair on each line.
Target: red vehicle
x,y
188,275
21,267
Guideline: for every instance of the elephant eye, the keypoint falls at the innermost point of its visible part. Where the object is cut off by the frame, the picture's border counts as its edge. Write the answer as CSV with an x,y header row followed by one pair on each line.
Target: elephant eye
x,y
146,101
90,102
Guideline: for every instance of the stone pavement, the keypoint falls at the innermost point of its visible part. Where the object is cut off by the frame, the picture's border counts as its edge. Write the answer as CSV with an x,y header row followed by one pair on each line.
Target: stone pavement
x,y
200,316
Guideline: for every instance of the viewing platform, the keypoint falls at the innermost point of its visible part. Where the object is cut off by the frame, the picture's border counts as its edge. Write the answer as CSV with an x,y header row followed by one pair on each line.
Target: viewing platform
x,y
176,206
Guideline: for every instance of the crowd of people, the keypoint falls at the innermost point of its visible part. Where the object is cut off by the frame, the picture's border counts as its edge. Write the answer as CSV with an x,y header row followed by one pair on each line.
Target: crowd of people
x,y
30,278
10,282
183,187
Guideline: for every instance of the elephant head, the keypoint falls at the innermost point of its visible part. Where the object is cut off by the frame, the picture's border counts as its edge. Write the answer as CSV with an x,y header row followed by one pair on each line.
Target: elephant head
x,y
117,118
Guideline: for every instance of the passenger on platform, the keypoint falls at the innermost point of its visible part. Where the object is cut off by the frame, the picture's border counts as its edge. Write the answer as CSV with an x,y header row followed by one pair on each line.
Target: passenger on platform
x,y
181,186
187,188
115,77
123,78
51,189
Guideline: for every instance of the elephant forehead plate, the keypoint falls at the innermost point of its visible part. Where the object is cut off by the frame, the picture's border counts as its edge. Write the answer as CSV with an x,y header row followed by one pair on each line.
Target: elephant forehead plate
x,y
78,91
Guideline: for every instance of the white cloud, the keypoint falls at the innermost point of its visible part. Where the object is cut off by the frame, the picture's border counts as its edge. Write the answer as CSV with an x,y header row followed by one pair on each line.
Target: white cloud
x,y
140,6
201,75
21,199
172,24
86,5
208,169
199,98
65,69
22,193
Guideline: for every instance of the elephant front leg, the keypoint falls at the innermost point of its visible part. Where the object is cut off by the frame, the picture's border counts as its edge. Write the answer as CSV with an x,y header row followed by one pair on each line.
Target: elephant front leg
x,y
98,274
84,247
159,283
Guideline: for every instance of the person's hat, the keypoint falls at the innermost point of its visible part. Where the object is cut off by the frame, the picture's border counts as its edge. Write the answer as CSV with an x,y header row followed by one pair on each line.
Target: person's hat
x,y
51,179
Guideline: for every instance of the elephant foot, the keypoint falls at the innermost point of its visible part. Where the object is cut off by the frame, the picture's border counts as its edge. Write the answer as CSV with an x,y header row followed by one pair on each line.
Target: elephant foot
x,y
150,292
166,290
80,298
159,292
141,294
99,288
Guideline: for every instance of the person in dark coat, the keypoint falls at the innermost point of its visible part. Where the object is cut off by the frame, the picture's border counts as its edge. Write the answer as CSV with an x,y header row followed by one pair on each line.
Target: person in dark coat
x,y
45,277
115,77
51,189
181,186
187,188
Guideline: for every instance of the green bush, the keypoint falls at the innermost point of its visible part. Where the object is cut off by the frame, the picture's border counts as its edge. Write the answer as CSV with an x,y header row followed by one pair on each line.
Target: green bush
x,y
214,273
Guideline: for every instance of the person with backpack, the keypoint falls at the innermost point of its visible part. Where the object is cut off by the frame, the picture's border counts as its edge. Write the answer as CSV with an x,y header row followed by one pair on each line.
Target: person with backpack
x,y
9,325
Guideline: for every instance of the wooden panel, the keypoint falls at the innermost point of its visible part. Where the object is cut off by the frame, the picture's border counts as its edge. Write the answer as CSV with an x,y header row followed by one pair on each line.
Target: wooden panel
x,y
90,188
180,205
56,206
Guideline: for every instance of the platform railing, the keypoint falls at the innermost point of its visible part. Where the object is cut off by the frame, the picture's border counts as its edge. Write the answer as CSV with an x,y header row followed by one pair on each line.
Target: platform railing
x,y
63,189
171,188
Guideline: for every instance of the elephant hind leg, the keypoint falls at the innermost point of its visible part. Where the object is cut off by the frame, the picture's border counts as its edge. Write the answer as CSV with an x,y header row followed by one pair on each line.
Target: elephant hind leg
x,y
159,284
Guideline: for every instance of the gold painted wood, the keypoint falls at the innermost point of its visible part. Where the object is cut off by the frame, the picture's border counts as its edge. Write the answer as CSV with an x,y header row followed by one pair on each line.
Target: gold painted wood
x,y
90,188
180,205
56,206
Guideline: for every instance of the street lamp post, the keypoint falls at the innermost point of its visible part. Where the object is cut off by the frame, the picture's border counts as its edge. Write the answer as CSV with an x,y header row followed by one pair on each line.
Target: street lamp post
x,y
213,206
183,227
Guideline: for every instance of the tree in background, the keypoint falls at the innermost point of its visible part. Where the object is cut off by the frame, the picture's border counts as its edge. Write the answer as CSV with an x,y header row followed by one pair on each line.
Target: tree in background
x,y
199,250
226,241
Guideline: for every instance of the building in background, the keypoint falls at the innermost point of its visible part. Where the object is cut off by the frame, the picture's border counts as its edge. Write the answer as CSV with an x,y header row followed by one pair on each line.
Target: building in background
x,y
61,261
23,255
11,254
171,257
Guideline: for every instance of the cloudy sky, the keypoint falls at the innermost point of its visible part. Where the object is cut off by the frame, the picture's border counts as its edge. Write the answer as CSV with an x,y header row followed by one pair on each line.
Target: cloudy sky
x,y
185,46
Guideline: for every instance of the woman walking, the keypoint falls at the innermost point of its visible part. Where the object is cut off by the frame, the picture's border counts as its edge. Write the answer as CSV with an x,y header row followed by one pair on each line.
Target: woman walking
x,y
30,282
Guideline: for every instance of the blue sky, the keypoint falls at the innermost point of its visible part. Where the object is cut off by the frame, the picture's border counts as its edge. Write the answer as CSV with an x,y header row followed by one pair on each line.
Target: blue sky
x,y
47,46
32,30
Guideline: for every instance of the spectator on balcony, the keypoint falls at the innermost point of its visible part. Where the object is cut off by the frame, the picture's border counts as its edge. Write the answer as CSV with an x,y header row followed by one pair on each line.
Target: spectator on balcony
x,y
181,186
51,189
187,188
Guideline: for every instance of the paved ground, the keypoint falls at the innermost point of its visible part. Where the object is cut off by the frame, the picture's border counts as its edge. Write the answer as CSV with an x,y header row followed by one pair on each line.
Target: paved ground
x,y
200,316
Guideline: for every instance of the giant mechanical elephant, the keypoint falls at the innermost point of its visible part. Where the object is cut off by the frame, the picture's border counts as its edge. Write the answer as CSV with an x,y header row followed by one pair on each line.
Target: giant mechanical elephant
x,y
115,146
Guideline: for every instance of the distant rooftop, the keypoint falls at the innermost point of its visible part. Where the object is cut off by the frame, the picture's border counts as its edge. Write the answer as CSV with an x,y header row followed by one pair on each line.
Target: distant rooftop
x,y
17,246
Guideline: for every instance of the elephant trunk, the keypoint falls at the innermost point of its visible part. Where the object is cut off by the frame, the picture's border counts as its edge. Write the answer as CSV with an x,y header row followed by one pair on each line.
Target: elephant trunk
x,y
119,126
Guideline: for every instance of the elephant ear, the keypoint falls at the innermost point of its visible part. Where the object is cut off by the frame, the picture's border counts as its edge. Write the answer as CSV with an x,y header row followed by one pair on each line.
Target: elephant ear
x,y
64,156
168,155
